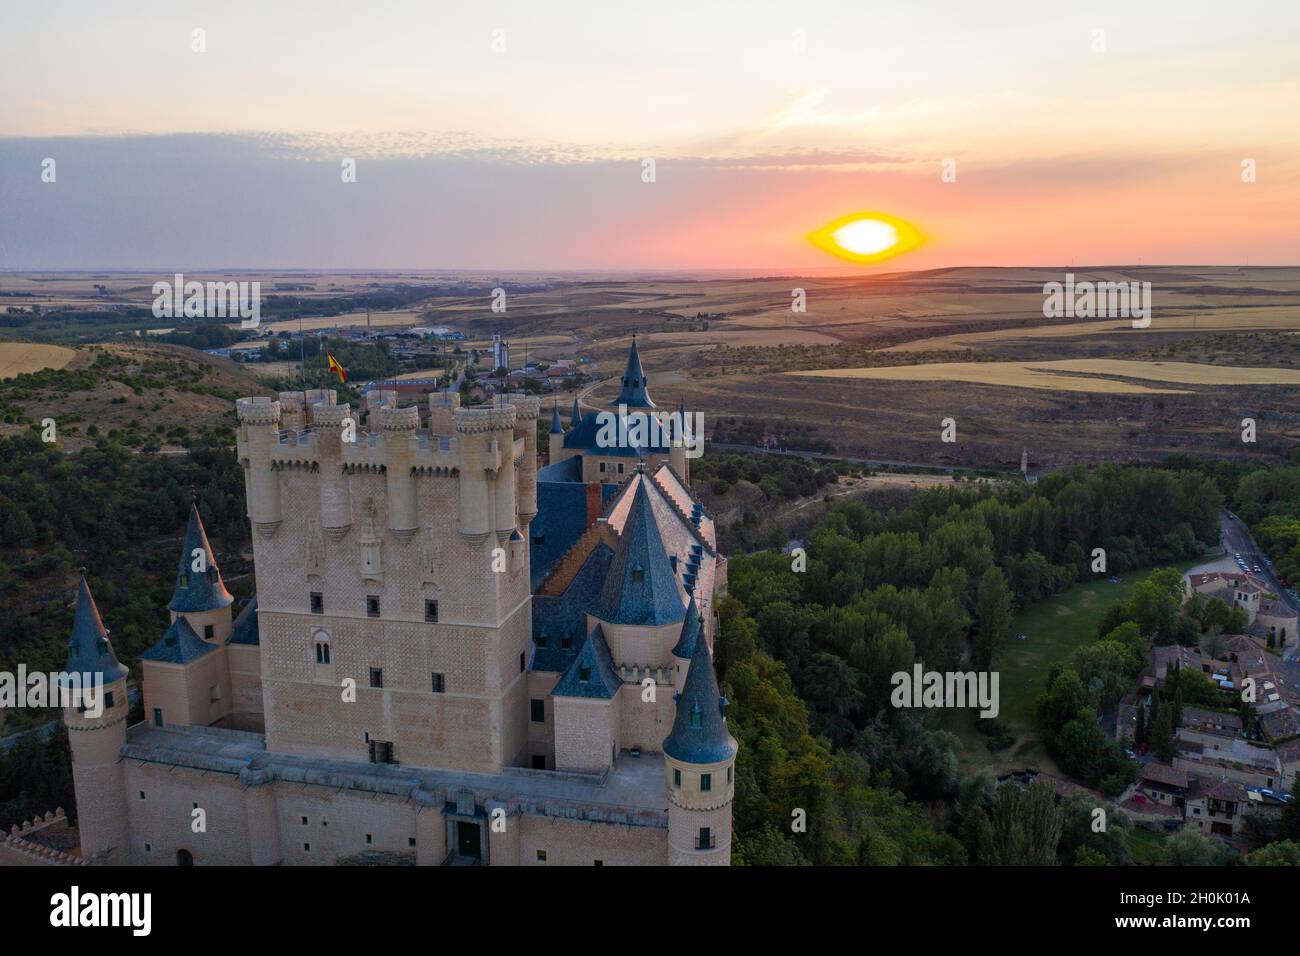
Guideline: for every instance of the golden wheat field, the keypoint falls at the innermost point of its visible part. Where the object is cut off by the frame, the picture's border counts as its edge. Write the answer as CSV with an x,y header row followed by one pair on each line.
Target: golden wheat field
x,y
17,358
1069,375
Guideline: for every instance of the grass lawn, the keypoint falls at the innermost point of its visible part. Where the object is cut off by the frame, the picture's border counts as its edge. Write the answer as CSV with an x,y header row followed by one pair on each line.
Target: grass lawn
x,y
1146,847
1054,628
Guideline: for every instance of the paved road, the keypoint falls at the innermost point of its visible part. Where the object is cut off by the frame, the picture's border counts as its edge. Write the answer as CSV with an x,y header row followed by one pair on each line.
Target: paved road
x,y
1237,538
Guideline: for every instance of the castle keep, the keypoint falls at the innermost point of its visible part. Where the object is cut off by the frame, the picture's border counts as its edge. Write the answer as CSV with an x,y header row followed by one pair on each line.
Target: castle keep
x,y
452,656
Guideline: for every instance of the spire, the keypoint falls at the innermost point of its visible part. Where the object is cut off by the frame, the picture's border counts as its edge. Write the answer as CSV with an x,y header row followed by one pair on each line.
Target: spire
x,y
576,417
198,590
633,393
89,651
700,734
556,427
691,628
640,587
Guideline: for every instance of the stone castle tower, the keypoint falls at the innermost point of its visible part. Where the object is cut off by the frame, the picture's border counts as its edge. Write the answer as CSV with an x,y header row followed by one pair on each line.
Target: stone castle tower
x,y
96,741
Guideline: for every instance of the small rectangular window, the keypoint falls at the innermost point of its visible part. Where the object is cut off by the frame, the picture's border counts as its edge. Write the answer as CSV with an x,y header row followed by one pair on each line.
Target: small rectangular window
x,y
539,762
208,632
370,838
538,711
157,717
431,612
541,856
317,603
304,821
372,606
439,683
677,779
410,841
523,666
376,677
706,782
108,700
728,775
306,848
705,842
141,794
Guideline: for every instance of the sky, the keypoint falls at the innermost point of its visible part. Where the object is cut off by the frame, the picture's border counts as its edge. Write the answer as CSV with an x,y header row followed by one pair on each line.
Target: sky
x,y
515,135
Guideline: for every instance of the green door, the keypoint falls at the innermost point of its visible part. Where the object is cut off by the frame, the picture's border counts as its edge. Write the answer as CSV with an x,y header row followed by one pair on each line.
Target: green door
x,y
467,840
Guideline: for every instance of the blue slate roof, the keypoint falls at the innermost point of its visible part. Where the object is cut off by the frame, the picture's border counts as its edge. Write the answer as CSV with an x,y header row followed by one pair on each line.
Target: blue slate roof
x,y
576,415
564,617
556,427
89,650
198,590
592,672
561,519
585,437
640,587
245,631
633,393
179,645
566,469
700,734
691,629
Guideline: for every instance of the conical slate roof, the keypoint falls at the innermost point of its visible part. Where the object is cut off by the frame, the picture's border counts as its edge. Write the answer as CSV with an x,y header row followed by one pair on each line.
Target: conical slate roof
x,y
556,427
700,734
640,587
576,417
592,672
89,650
633,393
179,645
691,628
198,590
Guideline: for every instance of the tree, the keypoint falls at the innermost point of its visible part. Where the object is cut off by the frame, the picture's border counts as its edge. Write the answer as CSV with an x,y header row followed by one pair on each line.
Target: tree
x,y
1162,735
993,611
1025,827
1189,848
1140,731
1283,853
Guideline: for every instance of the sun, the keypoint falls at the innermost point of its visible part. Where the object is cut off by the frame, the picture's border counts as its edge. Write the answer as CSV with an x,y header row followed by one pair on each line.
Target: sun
x,y
867,237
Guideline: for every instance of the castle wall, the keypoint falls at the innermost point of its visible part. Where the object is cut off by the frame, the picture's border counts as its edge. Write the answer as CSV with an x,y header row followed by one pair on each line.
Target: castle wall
x,y
541,737
586,734
162,820
576,843
640,646
245,662
643,723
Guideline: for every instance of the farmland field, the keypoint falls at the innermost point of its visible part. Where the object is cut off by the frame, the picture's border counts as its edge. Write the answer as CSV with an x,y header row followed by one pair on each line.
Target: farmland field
x,y
17,358
1050,375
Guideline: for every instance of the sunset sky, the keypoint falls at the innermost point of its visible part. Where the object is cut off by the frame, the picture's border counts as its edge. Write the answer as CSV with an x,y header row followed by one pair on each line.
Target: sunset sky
x,y
765,120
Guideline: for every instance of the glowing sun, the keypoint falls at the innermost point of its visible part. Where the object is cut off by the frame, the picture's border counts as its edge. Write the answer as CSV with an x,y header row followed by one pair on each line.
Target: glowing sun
x,y
867,237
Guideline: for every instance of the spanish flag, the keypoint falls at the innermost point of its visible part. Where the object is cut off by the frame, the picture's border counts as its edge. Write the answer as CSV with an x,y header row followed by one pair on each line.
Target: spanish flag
x,y
337,369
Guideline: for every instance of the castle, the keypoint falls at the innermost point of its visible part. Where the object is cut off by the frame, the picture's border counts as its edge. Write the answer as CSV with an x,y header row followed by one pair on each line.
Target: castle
x,y
452,656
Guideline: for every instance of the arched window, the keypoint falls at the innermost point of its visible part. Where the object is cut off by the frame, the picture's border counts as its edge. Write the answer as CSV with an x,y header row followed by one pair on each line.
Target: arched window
x,y
321,639
184,858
